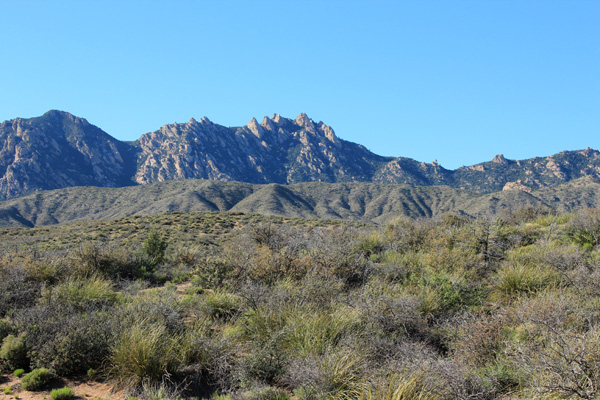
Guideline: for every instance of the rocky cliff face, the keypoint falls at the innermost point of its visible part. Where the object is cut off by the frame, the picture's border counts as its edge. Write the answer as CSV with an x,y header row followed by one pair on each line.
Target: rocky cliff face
x,y
528,174
278,150
60,150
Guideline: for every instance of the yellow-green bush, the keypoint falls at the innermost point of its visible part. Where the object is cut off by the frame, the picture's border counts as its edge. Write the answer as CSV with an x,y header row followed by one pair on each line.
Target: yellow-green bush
x,y
14,352
37,379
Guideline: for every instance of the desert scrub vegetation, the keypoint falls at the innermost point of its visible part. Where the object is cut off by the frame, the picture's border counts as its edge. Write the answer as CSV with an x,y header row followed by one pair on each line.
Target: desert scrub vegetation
x,y
14,351
37,379
62,394
224,306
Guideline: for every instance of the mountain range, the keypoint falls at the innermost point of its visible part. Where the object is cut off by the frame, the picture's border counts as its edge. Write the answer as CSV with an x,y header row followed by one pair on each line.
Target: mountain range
x,y
60,150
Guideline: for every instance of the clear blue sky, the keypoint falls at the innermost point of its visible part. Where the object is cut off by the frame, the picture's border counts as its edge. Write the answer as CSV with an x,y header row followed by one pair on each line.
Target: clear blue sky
x,y
457,81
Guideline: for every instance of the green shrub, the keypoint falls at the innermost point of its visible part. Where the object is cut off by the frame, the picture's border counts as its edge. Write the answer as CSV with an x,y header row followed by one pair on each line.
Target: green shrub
x,y
265,365
5,328
441,293
162,307
37,379
154,248
312,331
62,394
217,396
19,372
499,377
584,228
269,393
66,340
212,273
114,263
335,375
14,352
370,245
92,374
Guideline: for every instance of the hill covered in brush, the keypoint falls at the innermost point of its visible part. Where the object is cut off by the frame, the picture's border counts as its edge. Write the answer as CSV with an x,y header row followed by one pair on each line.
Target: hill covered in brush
x,y
354,201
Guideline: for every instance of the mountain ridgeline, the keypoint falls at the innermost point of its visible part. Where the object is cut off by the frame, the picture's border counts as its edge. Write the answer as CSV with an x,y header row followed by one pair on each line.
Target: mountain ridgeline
x,y
353,201
59,150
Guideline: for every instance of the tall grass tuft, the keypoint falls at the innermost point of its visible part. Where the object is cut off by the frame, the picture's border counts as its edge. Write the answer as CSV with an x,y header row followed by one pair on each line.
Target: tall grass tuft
x,y
399,387
220,305
145,353
314,331
514,280
341,373
81,292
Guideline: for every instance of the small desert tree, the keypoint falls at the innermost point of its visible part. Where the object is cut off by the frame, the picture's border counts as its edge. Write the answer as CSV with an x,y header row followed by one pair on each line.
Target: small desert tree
x,y
154,247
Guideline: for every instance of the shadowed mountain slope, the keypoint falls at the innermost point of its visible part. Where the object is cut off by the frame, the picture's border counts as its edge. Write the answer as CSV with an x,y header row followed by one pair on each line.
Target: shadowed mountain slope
x,y
368,202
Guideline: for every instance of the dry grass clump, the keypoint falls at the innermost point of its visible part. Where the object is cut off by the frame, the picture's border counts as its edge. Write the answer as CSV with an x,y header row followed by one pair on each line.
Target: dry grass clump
x,y
145,352
401,387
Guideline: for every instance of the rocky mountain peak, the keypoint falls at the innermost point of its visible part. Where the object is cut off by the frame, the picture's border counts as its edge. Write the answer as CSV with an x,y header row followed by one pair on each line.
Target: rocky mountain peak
x,y
57,116
59,149
268,124
500,159
255,128
303,120
588,151
253,122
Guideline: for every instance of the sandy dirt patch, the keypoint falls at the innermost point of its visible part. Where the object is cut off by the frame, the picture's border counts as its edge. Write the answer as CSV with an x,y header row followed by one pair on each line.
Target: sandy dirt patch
x,y
83,388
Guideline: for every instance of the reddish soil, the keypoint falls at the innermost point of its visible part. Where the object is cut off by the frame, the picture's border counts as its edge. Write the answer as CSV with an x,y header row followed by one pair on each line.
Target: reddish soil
x,y
83,388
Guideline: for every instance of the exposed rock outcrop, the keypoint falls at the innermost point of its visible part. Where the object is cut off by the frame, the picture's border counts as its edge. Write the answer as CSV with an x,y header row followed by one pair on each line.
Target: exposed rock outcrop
x,y
60,150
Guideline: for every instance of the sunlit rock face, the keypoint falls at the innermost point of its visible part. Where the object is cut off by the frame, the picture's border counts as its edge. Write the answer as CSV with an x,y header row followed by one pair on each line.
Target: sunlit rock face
x,y
278,150
60,150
